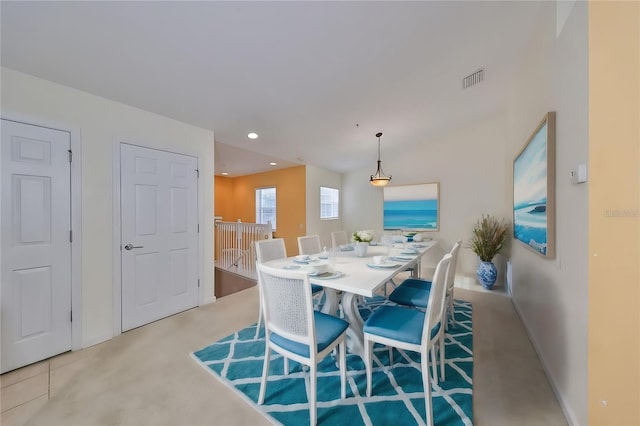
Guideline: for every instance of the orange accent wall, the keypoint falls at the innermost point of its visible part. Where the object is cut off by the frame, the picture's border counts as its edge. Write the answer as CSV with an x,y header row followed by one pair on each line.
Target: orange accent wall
x,y
614,222
237,201
224,204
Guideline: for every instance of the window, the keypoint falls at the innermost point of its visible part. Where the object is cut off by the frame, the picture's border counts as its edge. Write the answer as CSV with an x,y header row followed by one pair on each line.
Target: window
x,y
329,203
266,206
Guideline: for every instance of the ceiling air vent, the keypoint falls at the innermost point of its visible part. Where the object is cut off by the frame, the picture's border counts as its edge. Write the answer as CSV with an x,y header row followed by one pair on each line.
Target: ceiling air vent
x,y
473,79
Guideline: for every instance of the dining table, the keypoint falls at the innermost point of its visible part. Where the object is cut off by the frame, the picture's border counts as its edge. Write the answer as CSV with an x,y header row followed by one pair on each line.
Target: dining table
x,y
347,278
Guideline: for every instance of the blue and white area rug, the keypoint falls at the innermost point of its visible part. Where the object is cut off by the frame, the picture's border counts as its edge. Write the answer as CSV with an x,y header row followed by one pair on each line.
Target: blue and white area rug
x,y
397,393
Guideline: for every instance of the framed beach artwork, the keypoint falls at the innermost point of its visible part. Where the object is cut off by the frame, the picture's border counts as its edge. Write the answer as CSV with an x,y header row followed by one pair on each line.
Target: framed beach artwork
x,y
534,190
412,207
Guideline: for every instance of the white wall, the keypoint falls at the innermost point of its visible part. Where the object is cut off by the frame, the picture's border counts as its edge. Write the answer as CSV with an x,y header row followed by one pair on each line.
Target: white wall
x,y
470,165
551,295
474,168
317,177
102,123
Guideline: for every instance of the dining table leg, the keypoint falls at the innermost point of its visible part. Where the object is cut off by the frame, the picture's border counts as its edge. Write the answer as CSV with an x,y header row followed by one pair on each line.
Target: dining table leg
x,y
331,302
355,335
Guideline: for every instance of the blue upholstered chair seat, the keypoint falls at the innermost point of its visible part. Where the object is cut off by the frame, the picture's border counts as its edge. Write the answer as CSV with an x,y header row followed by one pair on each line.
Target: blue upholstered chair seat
x,y
410,296
328,328
398,323
416,283
316,288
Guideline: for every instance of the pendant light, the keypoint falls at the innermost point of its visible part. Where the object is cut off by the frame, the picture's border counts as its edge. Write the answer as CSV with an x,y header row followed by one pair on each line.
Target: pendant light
x,y
379,179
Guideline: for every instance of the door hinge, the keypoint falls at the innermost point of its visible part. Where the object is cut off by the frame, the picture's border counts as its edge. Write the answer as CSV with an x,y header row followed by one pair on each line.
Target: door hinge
x,y
198,173
71,315
198,282
70,156
70,235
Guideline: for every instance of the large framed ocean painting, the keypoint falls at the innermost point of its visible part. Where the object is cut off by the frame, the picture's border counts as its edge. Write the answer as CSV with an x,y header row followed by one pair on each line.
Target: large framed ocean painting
x,y
534,190
412,207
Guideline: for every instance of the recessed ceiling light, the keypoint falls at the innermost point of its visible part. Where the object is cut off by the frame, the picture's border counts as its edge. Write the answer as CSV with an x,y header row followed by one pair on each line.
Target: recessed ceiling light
x,y
252,135
224,173
273,164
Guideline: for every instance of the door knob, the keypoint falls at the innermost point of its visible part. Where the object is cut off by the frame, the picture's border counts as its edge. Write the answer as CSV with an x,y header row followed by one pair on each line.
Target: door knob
x,y
131,247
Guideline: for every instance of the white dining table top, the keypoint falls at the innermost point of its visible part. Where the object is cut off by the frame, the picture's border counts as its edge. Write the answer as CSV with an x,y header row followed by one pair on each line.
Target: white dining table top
x,y
357,277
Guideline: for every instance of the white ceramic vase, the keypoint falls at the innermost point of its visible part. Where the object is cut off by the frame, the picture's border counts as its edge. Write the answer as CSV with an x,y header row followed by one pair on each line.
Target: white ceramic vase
x,y
361,249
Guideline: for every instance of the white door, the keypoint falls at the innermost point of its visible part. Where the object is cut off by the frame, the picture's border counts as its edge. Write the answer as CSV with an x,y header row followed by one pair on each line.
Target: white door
x,y
159,241
36,248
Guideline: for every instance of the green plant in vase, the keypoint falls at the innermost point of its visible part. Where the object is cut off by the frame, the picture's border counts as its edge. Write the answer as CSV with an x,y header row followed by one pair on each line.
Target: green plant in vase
x,y
487,240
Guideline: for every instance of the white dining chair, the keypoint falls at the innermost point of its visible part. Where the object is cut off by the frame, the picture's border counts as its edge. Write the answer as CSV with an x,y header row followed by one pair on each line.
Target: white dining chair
x,y
274,249
413,330
296,331
309,244
415,292
266,250
338,238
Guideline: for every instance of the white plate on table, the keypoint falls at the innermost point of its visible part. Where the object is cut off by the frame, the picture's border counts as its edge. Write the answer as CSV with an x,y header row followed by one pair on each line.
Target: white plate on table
x,y
402,258
331,275
346,247
291,267
409,252
304,262
383,265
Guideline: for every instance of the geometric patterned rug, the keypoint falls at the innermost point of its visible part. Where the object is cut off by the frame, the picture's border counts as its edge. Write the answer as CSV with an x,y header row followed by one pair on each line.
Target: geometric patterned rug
x,y
397,392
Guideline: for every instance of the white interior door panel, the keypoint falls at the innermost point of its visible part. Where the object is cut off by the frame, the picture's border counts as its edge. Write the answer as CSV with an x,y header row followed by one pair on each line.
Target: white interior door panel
x,y
159,216
36,248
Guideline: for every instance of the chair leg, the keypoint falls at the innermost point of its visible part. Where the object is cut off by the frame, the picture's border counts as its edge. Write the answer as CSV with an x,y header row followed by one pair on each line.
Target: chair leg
x,y
442,352
259,322
434,363
368,346
313,379
343,369
426,383
286,366
452,311
390,356
265,372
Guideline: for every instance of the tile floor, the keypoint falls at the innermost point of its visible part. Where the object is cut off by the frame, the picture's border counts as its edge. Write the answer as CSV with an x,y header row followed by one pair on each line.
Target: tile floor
x,y
146,377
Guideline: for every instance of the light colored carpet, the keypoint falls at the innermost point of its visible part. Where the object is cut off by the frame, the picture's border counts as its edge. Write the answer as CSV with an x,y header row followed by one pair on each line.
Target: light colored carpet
x,y
146,376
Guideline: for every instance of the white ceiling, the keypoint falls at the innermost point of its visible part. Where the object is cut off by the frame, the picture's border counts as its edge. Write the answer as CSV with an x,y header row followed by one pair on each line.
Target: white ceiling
x,y
316,80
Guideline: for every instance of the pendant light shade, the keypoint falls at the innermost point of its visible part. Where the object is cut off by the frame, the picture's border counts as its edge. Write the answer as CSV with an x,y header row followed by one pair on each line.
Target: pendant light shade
x,y
379,179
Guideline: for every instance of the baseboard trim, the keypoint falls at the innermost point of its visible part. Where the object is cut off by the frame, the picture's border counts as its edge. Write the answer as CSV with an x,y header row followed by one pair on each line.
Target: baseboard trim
x,y
564,405
94,340
209,300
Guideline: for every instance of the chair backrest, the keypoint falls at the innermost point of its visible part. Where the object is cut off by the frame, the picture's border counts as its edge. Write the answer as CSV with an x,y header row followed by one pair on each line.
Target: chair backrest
x,y
435,305
309,244
270,249
451,271
287,304
338,238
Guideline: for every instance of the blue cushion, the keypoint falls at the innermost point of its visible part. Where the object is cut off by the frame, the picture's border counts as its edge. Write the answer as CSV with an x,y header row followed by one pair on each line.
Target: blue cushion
x,y
398,323
316,288
416,283
328,328
410,296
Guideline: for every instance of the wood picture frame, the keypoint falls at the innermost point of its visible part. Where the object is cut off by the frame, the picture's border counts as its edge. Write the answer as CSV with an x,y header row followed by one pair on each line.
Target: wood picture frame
x,y
534,189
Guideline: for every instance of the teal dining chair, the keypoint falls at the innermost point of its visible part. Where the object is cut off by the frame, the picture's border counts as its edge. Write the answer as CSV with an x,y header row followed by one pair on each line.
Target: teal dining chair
x,y
414,330
274,249
295,330
415,292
